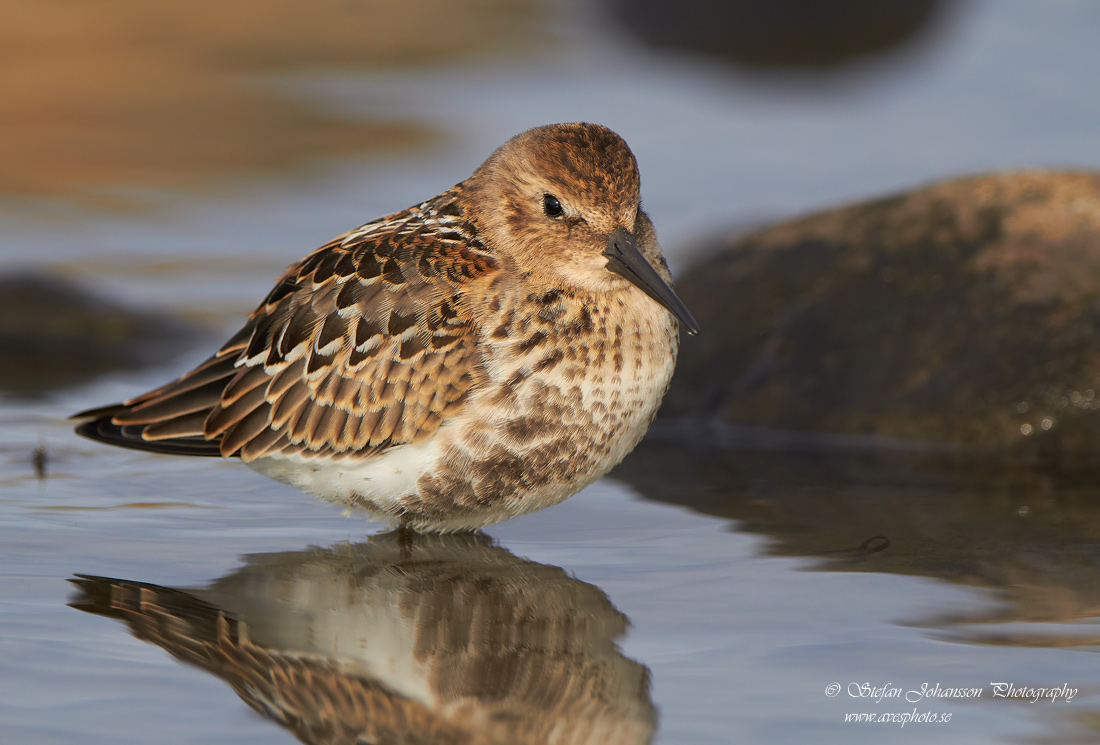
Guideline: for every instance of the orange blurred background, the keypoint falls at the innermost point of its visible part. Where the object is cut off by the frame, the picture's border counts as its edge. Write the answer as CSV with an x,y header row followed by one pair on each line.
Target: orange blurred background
x,y
131,93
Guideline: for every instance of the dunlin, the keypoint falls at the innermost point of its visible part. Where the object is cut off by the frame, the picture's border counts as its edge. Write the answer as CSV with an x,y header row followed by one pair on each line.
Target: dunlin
x,y
484,354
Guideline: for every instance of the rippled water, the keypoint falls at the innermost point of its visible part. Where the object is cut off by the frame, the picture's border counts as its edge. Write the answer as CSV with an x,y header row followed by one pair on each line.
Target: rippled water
x,y
696,596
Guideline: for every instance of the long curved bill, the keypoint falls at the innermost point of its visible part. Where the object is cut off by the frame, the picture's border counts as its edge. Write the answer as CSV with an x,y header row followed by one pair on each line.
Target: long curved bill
x,y
624,258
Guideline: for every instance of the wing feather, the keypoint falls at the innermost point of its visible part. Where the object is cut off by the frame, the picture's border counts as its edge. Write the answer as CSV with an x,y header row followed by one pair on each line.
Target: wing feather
x,y
186,400
289,404
247,428
180,426
367,343
284,380
267,440
229,412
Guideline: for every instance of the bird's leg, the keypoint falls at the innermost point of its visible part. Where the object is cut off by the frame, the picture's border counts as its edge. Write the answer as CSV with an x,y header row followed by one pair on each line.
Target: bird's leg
x,y
405,536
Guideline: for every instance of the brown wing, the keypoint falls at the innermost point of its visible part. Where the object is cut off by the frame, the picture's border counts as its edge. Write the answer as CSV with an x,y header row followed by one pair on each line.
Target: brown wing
x,y
366,343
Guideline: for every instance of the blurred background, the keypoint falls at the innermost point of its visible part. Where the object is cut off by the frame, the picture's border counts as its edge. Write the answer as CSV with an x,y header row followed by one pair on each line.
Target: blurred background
x,y
181,156
163,163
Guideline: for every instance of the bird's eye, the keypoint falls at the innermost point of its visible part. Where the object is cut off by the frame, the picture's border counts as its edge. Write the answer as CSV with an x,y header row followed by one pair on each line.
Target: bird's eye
x,y
551,206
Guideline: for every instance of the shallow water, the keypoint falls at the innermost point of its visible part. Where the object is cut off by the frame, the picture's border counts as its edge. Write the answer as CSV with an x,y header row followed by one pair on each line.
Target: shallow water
x,y
726,635
704,597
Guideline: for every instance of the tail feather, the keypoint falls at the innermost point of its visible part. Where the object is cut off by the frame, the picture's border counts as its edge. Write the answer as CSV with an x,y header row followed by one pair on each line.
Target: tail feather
x,y
130,436
167,420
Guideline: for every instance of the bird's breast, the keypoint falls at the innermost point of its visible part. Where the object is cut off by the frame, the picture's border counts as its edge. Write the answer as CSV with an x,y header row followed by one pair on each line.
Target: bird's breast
x,y
579,376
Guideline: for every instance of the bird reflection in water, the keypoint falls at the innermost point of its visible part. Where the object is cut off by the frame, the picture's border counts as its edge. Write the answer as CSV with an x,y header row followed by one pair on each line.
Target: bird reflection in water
x,y
403,639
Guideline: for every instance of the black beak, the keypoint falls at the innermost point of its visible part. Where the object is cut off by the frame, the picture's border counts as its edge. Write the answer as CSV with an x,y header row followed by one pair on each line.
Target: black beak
x,y
624,258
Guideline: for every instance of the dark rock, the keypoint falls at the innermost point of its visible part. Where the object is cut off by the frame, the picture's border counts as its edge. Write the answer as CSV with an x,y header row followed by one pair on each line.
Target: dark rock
x,y
802,34
966,312
56,335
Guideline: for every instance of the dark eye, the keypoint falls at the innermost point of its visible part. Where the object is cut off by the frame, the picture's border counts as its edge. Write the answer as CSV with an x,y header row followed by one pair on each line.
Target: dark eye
x,y
551,206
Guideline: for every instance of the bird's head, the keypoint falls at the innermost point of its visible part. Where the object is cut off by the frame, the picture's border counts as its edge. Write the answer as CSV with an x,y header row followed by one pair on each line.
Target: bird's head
x,y
563,202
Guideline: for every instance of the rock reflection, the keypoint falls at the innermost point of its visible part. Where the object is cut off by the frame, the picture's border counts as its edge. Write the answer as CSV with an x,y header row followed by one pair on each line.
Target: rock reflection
x,y
1030,536
442,639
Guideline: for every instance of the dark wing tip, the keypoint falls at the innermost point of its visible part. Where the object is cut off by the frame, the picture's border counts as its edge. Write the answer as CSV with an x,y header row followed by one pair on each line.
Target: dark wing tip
x,y
95,594
103,429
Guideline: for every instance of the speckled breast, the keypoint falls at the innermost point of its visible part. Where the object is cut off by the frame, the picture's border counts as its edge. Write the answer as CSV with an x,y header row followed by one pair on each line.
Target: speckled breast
x,y
572,387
